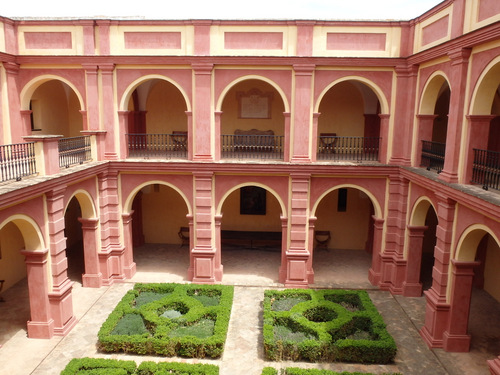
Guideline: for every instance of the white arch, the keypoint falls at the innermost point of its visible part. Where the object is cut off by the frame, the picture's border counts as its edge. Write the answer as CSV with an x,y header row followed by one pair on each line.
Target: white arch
x,y
375,203
31,86
127,206
469,240
258,184
32,235
384,105
87,205
482,106
256,77
130,89
431,92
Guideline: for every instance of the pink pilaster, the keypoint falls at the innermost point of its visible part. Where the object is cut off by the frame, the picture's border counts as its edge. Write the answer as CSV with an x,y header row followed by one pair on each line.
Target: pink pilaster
x,y
203,137
305,35
129,266
402,134
315,137
301,149
310,248
383,153
217,135
412,287
284,246
103,28
455,338
92,278
393,262
60,297
111,254
477,138
218,247
375,272
458,80
297,256
286,147
202,37
425,126
108,112
26,121
190,130
14,104
92,97
203,267
88,36
41,324
438,307
123,124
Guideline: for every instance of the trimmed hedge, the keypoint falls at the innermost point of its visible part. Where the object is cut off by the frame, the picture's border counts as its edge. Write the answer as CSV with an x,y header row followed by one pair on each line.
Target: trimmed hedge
x,y
300,371
329,325
101,366
166,335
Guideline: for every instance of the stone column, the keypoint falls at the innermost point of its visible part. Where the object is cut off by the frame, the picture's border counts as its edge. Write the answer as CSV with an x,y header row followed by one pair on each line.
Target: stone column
x,y
375,272
310,274
41,324
393,261
301,149
438,307
412,287
92,97
13,104
129,266
203,144
60,297
113,140
287,138
458,80
405,105
111,254
218,248
455,338
203,267
284,246
315,135
383,151
92,278
297,255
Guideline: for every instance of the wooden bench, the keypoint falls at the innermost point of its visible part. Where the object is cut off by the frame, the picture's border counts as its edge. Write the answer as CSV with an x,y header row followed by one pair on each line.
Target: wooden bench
x,y
250,238
254,140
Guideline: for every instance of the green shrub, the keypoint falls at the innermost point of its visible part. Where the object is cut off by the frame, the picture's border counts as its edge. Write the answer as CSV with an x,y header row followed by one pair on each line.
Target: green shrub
x,y
147,297
200,331
99,366
130,324
330,325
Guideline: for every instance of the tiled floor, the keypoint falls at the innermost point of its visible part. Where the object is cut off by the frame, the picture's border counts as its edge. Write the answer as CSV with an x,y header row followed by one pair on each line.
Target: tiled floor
x,y
251,271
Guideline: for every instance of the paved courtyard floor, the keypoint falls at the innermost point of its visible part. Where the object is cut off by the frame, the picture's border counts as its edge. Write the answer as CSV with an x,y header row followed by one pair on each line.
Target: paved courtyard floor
x,y
251,272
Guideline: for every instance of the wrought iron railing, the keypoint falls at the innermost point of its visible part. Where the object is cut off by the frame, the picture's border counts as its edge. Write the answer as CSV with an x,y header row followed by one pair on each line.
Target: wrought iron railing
x,y
74,150
486,169
158,145
17,161
348,148
254,146
433,155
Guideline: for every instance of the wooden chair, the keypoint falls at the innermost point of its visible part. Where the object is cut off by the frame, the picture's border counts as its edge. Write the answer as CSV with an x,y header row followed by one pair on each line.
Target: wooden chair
x,y
184,235
327,142
322,238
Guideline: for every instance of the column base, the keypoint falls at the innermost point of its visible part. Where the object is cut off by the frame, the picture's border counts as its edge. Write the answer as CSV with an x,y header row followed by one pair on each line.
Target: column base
x,y
429,340
68,326
456,343
130,271
40,330
374,277
412,289
494,366
92,280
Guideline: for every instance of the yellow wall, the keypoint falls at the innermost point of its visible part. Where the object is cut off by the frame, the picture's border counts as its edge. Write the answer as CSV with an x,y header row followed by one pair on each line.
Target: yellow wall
x,y
56,110
163,213
349,230
12,266
491,274
166,109
230,121
342,111
232,220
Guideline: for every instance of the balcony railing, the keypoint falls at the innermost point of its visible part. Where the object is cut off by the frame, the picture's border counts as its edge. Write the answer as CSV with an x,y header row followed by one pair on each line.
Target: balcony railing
x,y
433,155
157,145
348,148
74,150
486,169
17,161
254,146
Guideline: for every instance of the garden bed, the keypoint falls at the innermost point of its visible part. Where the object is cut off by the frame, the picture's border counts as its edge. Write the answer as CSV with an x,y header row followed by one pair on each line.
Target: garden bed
x,y
186,320
301,371
325,326
86,366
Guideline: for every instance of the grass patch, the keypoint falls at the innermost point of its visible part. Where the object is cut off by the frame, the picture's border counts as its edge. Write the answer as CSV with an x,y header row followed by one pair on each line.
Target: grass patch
x,y
201,329
130,324
148,297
